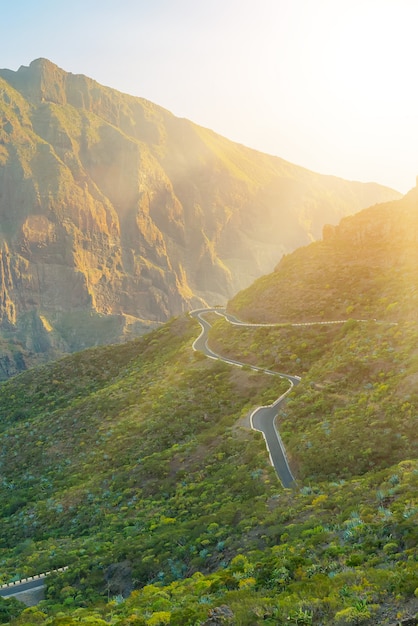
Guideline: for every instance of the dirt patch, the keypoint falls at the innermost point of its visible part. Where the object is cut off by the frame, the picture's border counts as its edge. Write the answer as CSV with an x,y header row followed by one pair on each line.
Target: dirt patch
x,y
408,385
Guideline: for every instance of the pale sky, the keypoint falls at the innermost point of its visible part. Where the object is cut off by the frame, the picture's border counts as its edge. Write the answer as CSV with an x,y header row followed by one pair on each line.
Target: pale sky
x,y
327,84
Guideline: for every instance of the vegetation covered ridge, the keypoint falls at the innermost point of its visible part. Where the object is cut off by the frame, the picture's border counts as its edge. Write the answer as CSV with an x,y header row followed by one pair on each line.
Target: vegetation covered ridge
x,y
161,499
363,268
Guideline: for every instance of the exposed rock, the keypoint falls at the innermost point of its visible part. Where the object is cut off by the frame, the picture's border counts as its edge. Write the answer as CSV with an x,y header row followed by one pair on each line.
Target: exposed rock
x,y
328,232
220,615
118,578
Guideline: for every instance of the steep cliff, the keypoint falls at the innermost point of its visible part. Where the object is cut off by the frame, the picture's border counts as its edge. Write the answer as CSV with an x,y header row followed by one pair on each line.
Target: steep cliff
x,y
113,209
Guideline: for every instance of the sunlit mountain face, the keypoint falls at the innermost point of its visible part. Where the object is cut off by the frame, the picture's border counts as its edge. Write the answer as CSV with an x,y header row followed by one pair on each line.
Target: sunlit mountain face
x,y
365,267
116,213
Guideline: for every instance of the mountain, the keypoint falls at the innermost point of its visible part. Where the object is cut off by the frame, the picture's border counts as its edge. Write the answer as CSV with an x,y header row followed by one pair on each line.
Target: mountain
x,y
135,465
366,267
116,215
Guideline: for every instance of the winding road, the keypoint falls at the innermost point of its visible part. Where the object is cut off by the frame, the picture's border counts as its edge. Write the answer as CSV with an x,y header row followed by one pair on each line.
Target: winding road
x,y
263,418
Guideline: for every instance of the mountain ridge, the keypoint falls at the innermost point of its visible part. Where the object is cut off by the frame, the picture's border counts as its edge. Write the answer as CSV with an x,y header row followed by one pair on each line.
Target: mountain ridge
x,y
378,244
113,208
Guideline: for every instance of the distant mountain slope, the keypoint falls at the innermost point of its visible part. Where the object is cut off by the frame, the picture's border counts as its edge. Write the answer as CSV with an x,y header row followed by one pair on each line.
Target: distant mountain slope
x,y
366,267
114,209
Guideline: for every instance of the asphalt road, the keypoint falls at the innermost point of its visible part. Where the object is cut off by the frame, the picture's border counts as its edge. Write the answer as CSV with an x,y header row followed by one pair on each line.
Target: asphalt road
x,y
263,418
28,590
20,587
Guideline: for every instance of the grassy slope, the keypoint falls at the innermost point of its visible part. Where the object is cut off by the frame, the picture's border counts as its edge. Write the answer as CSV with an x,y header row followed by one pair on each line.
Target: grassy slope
x,y
363,268
355,408
136,440
135,455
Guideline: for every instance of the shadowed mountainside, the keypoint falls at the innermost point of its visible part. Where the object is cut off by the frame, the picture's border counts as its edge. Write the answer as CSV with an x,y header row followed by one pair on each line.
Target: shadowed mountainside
x,y
115,214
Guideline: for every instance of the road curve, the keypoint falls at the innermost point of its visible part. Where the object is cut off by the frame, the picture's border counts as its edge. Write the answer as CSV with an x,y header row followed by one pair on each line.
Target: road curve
x,y
263,418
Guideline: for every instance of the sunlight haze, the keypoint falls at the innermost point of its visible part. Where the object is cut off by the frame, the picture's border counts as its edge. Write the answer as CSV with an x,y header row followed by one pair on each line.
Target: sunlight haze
x,y
329,85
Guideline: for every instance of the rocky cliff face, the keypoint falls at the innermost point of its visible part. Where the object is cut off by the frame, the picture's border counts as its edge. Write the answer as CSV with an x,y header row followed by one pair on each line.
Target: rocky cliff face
x,y
114,209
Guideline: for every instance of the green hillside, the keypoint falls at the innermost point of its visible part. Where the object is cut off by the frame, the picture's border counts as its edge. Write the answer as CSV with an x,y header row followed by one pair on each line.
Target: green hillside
x,y
135,466
366,267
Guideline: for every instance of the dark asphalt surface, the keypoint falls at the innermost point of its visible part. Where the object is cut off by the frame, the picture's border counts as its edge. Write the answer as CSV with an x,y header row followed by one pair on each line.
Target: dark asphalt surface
x,y
262,419
20,587
29,589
